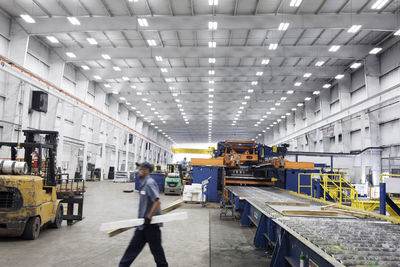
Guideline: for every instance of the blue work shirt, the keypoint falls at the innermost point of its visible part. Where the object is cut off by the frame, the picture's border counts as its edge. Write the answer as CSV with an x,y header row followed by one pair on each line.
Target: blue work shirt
x,y
148,195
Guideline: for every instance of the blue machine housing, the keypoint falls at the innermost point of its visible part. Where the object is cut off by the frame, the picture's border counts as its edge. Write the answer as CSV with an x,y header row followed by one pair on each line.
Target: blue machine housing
x,y
289,179
201,173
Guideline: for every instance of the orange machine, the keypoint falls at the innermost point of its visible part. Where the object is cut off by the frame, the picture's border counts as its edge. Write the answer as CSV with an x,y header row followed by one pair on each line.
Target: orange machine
x,y
281,163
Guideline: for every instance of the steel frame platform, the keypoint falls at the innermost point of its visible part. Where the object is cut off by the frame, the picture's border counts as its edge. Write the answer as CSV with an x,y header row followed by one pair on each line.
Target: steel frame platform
x,y
338,241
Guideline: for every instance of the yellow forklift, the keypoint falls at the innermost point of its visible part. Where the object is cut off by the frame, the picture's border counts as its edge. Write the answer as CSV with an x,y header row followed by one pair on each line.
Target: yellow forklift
x,y
32,191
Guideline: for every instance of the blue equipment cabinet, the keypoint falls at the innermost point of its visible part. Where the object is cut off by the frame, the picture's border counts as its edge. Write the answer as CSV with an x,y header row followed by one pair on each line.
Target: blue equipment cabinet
x,y
158,177
201,173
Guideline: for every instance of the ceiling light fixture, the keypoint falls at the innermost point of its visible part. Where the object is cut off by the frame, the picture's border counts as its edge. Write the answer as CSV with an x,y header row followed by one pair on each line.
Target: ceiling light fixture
x,y
211,60
70,54
379,4
212,44
125,78
339,76
297,84
212,25
397,33
143,22
307,98
295,3
290,92
105,56
52,39
319,63
316,92
107,85
97,77
355,65
300,104
85,67
273,46
92,41
151,42
259,73
327,85
164,70
116,68
354,28
334,48
265,61
27,18
158,58
74,21
254,83
307,75
283,26
213,2
211,72
375,50
250,91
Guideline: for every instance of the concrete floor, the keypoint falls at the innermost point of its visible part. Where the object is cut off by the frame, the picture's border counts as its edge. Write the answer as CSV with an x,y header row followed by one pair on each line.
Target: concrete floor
x,y
202,240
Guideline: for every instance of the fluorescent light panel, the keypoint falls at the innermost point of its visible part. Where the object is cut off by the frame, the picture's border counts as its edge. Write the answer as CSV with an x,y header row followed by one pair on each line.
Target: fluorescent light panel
x,y
295,3
273,46
27,18
375,50
143,22
212,25
283,26
52,39
354,28
379,4
91,41
74,21
334,48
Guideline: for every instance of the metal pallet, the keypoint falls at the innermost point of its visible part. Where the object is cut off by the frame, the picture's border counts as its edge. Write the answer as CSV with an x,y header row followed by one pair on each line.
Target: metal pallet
x,y
338,241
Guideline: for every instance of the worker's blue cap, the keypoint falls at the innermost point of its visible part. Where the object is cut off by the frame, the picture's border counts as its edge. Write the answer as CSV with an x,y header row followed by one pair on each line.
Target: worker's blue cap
x,y
145,165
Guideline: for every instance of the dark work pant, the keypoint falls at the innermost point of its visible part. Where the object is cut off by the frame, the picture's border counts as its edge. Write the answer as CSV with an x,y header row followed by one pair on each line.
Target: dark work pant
x,y
150,234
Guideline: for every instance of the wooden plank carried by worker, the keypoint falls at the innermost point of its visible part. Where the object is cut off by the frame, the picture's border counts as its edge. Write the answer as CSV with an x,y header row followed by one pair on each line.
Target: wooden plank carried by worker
x,y
170,207
310,213
287,203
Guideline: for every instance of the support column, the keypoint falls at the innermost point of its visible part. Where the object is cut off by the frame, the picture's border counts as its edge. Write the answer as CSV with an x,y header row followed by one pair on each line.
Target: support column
x,y
372,73
346,136
375,138
344,86
18,46
116,151
127,151
325,98
56,70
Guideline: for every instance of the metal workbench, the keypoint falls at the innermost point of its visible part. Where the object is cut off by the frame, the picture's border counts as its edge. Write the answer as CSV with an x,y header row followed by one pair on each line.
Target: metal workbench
x,y
325,241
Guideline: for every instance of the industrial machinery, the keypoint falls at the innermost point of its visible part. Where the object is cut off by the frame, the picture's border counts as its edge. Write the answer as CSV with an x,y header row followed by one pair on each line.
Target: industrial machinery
x,y
31,190
173,184
248,163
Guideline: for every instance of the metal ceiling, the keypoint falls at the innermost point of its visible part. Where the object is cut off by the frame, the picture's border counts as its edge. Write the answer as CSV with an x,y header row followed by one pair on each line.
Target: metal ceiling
x,y
178,86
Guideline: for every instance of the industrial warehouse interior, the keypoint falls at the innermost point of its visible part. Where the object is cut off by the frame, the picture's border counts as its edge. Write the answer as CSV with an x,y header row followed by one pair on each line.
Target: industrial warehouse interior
x,y
199,133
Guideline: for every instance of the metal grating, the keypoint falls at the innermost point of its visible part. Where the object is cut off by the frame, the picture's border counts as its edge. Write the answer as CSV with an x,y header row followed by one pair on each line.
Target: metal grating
x,y
10,199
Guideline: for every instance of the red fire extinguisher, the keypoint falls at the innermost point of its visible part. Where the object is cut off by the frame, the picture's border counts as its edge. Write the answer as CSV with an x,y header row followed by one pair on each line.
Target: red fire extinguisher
x,y
35,158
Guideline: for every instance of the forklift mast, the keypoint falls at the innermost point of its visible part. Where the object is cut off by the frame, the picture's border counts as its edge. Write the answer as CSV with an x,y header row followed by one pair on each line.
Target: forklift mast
x,y
50,142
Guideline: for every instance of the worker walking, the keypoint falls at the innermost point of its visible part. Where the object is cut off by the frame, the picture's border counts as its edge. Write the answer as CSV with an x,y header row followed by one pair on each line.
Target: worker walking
x,y
149,205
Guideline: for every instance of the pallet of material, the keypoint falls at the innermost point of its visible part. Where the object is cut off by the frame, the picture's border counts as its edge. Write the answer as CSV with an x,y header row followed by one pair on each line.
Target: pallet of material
x,y
170,207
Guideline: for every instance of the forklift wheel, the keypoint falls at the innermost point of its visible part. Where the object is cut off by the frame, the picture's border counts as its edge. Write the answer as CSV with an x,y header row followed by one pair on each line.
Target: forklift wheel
x,y
59,217
32,229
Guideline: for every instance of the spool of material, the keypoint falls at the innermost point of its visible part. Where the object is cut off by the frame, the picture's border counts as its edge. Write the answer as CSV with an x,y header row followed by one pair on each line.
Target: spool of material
x,y
13,167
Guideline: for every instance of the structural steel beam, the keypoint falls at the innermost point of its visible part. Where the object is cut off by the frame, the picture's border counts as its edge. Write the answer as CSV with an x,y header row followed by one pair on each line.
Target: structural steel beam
x,y
90,53
109,73
376,22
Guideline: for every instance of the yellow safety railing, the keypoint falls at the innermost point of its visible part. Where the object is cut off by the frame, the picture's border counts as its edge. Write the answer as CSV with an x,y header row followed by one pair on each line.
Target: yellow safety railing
x,y
387,175
334,185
